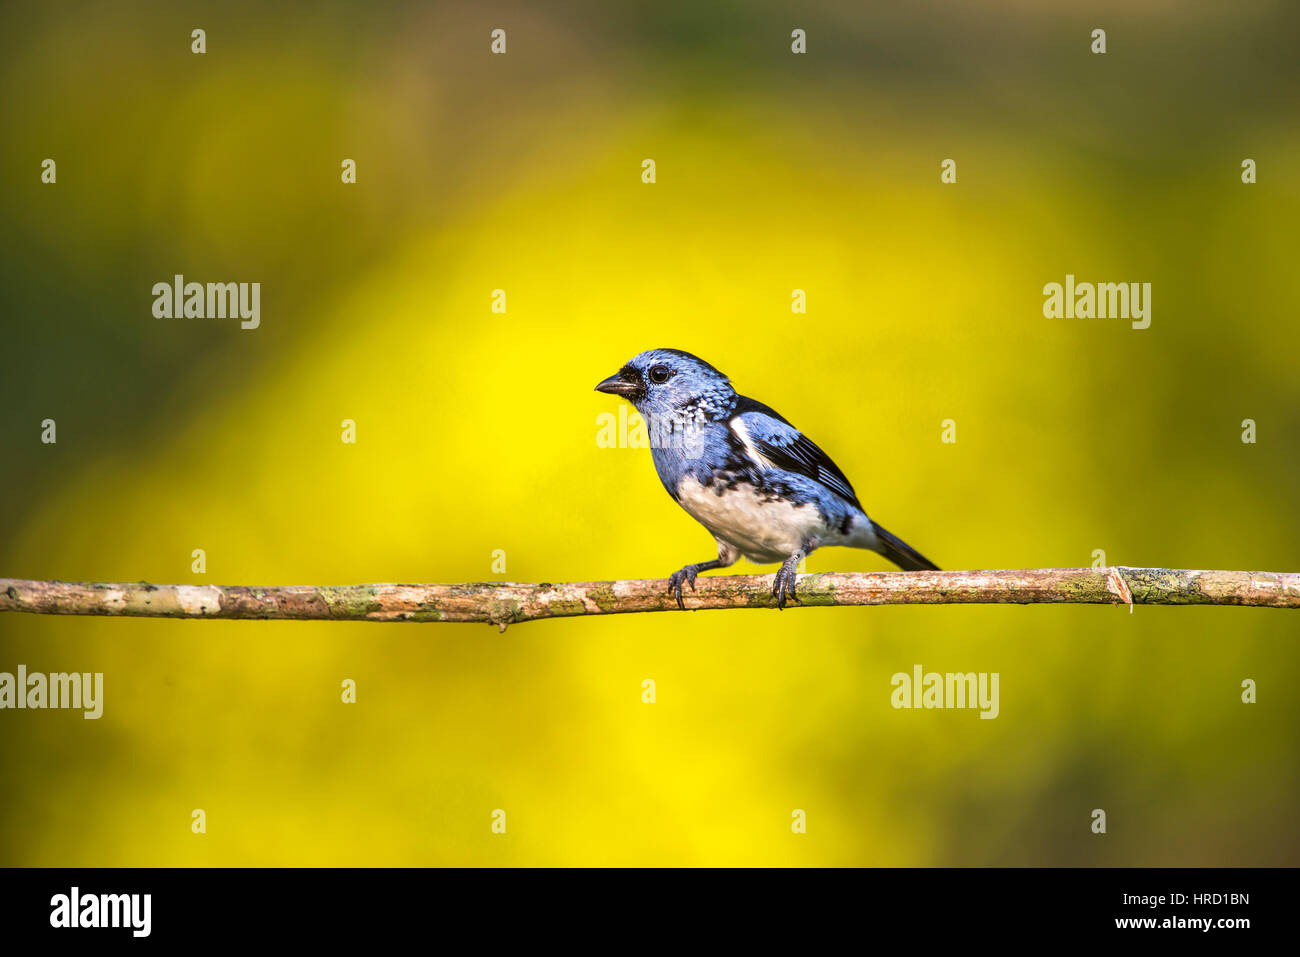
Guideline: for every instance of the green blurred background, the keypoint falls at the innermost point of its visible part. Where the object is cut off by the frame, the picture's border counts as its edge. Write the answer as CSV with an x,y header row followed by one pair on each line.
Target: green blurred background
x,y
477,431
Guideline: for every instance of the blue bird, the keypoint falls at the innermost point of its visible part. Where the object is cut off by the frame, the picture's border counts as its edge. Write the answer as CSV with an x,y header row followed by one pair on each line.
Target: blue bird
x,y
758,484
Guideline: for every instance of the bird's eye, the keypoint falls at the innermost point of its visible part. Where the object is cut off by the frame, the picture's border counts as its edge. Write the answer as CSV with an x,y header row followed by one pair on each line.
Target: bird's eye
x,y
660,374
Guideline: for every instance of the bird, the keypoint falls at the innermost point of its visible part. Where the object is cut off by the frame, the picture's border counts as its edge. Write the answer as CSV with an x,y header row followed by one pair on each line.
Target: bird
x,y
739,468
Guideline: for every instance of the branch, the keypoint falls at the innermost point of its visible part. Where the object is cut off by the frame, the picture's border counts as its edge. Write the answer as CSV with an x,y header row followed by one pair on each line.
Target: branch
x,y
504,603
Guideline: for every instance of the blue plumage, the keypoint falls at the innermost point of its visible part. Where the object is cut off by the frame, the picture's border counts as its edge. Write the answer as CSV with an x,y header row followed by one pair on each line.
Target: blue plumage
x,y
762,487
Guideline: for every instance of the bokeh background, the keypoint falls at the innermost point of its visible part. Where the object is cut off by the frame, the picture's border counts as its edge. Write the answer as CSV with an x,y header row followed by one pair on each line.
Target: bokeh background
x,y
477,431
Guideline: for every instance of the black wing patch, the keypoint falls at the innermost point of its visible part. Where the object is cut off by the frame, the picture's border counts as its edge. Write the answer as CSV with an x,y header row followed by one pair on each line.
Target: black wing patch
x,y
789,449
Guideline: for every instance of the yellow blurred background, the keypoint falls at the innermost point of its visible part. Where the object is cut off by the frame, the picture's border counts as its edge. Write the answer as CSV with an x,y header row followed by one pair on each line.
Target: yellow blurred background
x,y
476,431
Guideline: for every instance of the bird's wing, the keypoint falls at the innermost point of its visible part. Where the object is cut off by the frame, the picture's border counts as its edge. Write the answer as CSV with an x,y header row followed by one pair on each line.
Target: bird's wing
x,y
769,441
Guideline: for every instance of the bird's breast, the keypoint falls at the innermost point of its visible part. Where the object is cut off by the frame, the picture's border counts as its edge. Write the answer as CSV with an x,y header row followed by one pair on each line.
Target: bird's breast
x,y
765,527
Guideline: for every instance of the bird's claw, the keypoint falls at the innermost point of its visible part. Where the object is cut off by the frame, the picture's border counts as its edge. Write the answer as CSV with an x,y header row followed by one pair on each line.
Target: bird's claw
x,y
783,585
687,575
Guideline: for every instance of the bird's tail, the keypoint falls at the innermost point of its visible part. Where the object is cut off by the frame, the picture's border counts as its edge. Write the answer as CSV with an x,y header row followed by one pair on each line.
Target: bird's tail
x,y
900,553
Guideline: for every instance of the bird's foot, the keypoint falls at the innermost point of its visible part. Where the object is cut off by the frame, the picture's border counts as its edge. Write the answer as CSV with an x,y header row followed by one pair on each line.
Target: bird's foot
x,y
784,583
686,575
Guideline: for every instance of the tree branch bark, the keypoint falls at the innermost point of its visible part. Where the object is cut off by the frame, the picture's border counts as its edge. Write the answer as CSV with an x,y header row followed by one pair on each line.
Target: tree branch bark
x,y
505,603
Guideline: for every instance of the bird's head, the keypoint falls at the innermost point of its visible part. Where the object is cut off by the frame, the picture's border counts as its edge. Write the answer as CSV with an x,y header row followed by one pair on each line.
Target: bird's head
x,y
664,381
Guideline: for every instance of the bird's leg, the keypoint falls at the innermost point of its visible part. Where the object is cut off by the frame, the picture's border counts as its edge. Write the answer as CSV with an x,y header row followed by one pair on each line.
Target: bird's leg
x,y
783,583
687,575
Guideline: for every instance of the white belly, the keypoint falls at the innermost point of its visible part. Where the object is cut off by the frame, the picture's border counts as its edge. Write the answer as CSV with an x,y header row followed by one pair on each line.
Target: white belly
x,y
763,531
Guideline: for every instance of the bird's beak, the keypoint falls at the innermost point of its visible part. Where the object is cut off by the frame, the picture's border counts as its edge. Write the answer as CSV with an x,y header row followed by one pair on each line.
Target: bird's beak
x,y
620,384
